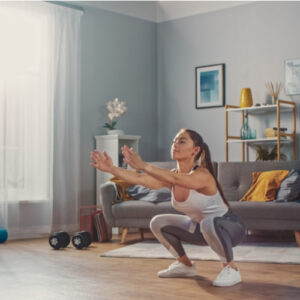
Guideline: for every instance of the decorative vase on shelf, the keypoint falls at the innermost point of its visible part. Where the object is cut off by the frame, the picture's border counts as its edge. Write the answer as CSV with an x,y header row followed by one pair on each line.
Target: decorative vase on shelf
x,y
245,130
274,100
246,98
115,132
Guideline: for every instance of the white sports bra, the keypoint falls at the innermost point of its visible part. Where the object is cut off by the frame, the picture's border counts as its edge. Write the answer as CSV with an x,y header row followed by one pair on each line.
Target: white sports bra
x,y
198,206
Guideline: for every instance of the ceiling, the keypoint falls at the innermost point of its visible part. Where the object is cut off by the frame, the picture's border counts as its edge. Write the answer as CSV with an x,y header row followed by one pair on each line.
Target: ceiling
x,y
160,11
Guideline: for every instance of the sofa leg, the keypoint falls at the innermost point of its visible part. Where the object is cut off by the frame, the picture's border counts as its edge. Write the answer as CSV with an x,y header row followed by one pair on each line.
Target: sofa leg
x,y
297,237
142,233
124,234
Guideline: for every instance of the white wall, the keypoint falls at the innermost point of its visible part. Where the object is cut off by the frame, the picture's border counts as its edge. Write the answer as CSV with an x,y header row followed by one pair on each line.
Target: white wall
x,y
253,41
118,60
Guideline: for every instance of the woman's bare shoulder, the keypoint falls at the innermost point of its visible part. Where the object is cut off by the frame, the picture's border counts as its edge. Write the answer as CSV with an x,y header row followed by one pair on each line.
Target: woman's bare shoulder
x,y
203,172
201,169
210,187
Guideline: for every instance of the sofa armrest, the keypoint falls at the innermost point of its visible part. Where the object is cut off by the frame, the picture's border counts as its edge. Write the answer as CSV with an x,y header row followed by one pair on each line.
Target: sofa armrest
x,y
108,196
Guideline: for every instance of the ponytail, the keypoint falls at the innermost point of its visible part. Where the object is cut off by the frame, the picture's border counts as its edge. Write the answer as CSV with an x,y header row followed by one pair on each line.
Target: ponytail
x,y
205,159
203,152
208,165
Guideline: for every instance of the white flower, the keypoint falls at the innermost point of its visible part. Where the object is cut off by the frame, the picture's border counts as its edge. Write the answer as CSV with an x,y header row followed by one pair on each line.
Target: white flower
x,y
116,109
111,116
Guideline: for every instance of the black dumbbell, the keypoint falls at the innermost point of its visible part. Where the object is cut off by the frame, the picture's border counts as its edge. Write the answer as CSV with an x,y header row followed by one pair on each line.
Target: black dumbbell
x,y
59,240
66,238
81,239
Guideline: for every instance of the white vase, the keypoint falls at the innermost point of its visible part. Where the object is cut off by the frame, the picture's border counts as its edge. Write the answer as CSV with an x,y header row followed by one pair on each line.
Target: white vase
x,y
115,131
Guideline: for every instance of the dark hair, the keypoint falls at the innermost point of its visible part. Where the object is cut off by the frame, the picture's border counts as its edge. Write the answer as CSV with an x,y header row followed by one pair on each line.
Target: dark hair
x,y
204,156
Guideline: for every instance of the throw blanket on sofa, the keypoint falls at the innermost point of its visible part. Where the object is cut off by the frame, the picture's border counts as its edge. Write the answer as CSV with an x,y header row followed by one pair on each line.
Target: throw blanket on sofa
x,y
139,192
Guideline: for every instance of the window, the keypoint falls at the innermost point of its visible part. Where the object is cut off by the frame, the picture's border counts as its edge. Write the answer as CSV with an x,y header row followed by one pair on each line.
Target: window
x,y
25,122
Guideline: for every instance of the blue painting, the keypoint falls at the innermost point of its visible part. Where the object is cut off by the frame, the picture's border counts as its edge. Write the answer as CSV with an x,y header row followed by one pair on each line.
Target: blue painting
x,y
210,86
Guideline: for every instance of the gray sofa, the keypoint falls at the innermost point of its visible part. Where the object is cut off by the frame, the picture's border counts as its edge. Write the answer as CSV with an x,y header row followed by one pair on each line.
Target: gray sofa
x,y
235,179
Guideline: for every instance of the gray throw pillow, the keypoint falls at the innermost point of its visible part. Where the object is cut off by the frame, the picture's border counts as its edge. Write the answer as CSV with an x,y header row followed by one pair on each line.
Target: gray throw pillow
x,y
139,192
289,188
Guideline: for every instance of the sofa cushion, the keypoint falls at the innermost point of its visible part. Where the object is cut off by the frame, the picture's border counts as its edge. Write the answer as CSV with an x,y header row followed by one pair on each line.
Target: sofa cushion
x,y
122,185
236,177
141,209
289,188
265,185
266,210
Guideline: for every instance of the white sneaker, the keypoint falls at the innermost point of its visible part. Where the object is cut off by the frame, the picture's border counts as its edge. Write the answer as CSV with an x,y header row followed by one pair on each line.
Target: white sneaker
x,y
228,277
178,269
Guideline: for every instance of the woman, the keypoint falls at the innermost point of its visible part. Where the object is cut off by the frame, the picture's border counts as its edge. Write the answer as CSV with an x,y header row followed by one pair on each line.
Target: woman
x,y
196,193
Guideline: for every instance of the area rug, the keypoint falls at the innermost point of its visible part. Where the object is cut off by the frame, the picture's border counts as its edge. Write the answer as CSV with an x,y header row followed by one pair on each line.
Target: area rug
x,y
282,253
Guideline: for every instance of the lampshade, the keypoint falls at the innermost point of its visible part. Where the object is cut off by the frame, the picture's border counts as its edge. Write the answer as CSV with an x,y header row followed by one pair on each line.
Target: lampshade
x,y
246,97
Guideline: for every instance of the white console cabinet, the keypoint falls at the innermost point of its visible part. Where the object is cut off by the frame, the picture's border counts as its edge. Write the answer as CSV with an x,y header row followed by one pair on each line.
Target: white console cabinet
x,y
112,145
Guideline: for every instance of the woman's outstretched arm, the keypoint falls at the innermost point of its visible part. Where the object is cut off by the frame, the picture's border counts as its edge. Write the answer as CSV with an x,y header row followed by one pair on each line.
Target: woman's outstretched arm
x,y
103,162
197,179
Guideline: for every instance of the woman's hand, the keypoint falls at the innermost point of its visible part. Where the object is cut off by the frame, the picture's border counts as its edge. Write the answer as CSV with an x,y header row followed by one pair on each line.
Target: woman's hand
x,y
132,158
102,161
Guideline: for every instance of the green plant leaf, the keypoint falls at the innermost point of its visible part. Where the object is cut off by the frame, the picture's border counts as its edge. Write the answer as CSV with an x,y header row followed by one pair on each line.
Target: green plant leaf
x,y
110,126
107,126
262,153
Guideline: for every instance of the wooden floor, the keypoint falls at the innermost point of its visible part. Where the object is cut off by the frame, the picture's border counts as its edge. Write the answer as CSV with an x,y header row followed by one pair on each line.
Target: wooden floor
x,y
30,269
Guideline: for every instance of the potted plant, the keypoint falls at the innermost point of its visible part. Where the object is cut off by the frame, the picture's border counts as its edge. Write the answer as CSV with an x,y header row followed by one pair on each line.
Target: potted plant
x,y
262,153
116,109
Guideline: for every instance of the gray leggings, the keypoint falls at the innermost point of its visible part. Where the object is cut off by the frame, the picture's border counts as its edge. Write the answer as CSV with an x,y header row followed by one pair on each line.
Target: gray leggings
x,y
220,233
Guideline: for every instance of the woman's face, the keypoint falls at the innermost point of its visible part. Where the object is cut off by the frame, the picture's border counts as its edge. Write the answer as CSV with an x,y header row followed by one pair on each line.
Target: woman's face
x,y
183,147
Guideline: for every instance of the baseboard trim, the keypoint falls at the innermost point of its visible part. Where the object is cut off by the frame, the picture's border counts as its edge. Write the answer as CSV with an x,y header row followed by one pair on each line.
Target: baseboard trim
x,y
34,232
70,228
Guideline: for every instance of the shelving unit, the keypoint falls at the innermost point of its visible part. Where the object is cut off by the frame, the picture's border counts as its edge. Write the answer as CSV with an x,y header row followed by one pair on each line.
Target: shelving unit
x,y
112,144
282,138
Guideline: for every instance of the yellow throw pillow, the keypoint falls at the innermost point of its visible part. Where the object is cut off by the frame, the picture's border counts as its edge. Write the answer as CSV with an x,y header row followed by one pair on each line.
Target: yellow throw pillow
x,y
265,185
122,186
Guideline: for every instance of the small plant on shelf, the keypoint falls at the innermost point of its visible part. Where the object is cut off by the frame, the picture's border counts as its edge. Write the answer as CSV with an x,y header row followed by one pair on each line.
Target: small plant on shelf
x,y
262,153
116,109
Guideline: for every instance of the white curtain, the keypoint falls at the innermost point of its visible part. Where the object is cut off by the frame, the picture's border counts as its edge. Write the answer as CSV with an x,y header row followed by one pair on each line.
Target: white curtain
x,y
39,118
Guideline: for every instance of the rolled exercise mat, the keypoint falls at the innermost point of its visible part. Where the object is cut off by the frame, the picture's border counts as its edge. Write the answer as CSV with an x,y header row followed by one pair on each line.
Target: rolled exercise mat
x,y
3,235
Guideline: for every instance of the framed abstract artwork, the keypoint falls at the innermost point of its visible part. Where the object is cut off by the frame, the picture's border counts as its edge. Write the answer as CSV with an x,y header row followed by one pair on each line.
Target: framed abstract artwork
x,y
210,86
